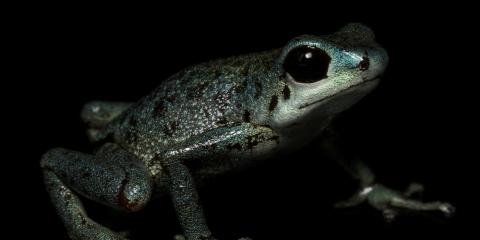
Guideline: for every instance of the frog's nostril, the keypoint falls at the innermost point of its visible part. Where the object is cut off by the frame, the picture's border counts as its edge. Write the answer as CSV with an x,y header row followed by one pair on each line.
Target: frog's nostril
x,y
364,64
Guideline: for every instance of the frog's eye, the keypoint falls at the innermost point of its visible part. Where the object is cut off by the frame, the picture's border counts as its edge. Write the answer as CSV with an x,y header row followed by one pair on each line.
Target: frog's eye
x,y
307,64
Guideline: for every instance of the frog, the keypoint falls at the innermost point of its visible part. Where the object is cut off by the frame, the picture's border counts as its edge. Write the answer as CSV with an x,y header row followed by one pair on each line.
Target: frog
x,y
219,117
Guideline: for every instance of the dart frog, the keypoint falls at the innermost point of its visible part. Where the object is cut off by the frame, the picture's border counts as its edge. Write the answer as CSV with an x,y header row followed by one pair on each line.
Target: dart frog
x,y
217,117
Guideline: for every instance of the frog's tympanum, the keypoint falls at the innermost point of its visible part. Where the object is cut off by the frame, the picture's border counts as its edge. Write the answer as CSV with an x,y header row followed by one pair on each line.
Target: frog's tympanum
x,y
217,117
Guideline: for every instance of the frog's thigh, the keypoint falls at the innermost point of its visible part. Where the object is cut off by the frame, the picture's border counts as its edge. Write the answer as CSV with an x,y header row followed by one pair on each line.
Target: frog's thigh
x,y
98,113
112,177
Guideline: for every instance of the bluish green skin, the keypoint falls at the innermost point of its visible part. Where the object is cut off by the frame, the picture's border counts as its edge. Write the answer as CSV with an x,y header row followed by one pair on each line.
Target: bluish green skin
x,y
214,118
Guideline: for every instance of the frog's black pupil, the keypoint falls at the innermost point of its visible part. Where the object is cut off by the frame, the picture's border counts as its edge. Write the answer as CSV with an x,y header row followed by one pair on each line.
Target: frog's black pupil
x,y
307,64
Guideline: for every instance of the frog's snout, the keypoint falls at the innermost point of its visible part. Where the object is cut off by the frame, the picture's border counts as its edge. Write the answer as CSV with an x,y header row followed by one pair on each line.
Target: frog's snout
x,y
379,61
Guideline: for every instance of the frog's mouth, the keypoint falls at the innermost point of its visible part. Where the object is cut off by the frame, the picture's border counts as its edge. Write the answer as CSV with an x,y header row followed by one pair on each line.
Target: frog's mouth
x,y
367,85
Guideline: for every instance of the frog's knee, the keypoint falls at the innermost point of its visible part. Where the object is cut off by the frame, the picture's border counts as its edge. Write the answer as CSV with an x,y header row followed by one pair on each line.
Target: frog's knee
x,y
134,193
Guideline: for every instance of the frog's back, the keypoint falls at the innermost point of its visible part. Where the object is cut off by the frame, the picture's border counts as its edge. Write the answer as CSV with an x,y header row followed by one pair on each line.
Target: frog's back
x,y
193,101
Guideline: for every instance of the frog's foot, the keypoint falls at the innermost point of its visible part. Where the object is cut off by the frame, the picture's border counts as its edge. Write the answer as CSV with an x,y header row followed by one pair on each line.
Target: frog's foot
x,y
97,114
391,202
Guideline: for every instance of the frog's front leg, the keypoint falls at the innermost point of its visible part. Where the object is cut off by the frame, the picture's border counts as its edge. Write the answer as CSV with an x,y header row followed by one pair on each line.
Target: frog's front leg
x,y
112,177
185,198
389,201
181,182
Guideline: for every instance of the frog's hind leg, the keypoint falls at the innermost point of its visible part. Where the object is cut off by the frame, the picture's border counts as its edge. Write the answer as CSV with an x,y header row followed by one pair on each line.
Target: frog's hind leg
x,y
410,204
97,114
112,177
392,202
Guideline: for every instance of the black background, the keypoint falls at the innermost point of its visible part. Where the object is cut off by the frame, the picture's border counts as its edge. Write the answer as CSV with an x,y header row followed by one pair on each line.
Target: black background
x,y
414,127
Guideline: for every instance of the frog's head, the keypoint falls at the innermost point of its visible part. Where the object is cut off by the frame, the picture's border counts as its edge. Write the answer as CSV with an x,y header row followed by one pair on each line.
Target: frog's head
x,y
327,74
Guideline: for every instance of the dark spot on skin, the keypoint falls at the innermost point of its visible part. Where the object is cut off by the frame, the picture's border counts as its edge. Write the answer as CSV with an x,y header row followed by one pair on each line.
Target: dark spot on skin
x,y
168,132
217,97
246,116
258,88
171,98
217,73
159,109
206,112
273,103
130,136
190,92
244,71
239,88
252,141
286,92
85,175
221,98
234,146
171,128
132,122
364,64
222,121
198,92
84,221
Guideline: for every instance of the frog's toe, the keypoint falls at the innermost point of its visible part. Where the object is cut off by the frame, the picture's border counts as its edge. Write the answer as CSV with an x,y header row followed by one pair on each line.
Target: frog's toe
x,y
389,215
447,209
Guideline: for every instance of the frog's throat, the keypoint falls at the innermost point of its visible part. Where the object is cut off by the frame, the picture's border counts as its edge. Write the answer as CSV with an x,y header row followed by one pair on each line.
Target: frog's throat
x,y
344,90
